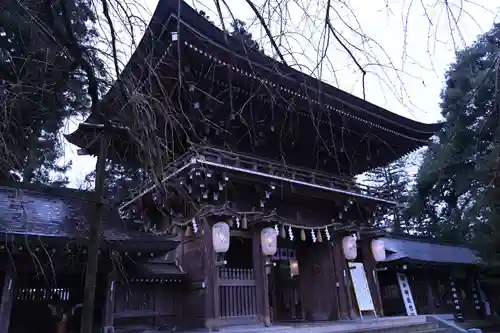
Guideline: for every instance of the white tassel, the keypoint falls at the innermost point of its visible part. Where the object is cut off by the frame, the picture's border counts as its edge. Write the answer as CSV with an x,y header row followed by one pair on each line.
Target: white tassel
x,y
290,233
195,225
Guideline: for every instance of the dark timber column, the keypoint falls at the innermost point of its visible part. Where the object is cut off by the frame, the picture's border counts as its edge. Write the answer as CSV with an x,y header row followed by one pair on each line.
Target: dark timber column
x,y
108,324
371,275
262,290
7,298
431,303
212,303
339,264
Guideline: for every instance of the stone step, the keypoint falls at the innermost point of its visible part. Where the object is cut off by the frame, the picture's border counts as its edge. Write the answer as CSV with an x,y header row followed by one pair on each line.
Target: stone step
x,y
401,328
414,324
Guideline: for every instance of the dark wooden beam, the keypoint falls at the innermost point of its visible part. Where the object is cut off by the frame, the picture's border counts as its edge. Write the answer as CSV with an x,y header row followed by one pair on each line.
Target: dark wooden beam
x,y
212,304
259,262
109,307
341,276
371,275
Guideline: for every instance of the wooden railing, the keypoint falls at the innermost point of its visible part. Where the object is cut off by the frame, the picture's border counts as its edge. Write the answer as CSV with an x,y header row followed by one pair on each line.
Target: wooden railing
x,y
41,294
237,289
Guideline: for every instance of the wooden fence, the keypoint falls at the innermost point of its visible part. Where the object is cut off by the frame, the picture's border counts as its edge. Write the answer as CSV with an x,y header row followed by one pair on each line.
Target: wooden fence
x,y
237,289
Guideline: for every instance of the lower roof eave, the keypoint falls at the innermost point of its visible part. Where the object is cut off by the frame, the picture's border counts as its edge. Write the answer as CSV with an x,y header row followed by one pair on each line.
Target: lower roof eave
x,y
131,244
411,261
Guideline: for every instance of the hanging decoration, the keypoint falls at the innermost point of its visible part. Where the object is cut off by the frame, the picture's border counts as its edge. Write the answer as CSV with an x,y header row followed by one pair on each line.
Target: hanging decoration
x,y
188,232
378,250
282,229
350,247
290,233
269,241
244,222
319,237
195,225
282,232
175,230
220,237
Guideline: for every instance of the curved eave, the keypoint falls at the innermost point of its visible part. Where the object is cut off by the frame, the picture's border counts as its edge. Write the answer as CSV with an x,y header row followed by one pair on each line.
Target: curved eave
x,y
192,20
153,42
87,138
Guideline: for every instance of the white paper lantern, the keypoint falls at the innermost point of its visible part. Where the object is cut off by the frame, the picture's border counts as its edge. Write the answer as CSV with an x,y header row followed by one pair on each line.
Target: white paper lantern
x,y
269,241
349,247
220,237
378,249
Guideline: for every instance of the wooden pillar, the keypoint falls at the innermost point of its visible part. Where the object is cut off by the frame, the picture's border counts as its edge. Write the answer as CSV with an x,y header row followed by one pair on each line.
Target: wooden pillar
x,y
7,298
332,272
109,307
371,274
259,264
341,277
212,295
431,303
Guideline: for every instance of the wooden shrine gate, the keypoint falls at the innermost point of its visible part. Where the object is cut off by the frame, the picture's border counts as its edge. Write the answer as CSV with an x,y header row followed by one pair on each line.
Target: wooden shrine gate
x,y
238,297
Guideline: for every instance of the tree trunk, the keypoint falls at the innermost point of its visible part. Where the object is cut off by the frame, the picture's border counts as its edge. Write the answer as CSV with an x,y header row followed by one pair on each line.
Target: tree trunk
x,y
94,240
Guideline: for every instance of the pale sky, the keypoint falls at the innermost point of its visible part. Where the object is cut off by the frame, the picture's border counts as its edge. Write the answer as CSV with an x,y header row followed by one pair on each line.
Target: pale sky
x,y
405,46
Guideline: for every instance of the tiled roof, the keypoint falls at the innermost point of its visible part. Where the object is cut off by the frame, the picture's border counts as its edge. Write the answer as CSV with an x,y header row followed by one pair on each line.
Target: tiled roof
x,y
59,212
420,250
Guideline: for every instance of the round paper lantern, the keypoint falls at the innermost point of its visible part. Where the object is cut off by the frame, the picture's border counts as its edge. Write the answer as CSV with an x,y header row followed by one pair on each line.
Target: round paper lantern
x,y
378,249
220,237
269,241
349,247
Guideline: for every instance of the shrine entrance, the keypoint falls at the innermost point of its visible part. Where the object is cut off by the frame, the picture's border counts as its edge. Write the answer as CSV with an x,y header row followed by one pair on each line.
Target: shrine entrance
x,y
237,284
283,285
46,303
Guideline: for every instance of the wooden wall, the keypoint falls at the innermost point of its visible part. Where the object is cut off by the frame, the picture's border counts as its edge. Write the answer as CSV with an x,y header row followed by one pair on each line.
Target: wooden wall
x,y
431,290
149,304
191,257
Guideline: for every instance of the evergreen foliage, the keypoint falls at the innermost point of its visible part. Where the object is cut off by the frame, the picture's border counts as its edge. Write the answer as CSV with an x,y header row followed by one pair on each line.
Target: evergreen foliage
x,y
239,30
456,195
393,181
42,86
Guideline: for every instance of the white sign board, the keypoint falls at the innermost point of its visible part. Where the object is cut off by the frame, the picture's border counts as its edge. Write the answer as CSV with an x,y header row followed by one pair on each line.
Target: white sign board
x,y
404,286
361,288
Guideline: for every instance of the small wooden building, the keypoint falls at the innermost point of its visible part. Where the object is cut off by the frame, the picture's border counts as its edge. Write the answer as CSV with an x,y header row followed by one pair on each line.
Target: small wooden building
x,y
421,276
258,174
43,252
